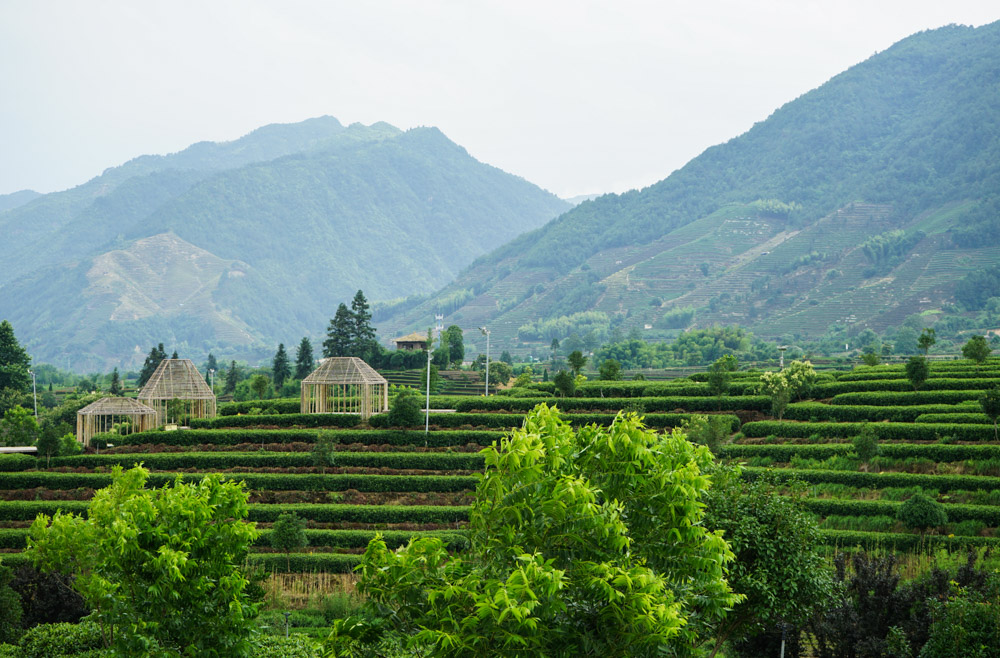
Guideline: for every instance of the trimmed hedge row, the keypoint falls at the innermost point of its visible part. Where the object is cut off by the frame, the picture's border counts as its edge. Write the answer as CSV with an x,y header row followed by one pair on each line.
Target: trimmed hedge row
x,y
900,541
17,462
647,404
256,481
877,480
819,412
934,451
430,461
27,510
306,562
515,420
974,419
937,372
885,431
987,514
440,439
627,389
938,384
900,398
278,420
275,406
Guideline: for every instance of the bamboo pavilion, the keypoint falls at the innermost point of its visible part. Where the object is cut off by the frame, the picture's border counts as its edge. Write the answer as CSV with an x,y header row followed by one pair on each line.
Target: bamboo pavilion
x,y
175,390
345,385
104,414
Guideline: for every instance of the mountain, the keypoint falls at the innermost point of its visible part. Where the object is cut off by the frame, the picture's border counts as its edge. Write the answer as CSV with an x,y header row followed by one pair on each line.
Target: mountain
x,y
861,202
15,199
235,247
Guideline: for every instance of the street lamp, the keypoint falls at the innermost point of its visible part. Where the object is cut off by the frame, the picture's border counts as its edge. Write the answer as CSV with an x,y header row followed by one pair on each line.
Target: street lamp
x,y
34,392
211,375
486,332
781,361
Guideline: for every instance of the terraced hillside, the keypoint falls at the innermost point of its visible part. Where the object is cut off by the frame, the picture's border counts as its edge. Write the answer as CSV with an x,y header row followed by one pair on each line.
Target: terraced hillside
x,y
400,481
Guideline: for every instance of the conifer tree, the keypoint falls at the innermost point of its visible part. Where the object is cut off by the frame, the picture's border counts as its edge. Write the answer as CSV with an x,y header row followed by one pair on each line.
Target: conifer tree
x,y
232,378
304,359
116,384
339,334
362,332
156,355
174,355
212,364
279,367
14,361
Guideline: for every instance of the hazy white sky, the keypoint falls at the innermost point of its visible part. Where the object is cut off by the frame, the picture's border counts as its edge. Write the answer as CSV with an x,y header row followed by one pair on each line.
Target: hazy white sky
x,y
578,97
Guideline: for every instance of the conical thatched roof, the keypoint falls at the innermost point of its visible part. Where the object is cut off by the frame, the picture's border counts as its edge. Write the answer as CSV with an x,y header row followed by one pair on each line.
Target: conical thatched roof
x,y
176,379
116,407
344,370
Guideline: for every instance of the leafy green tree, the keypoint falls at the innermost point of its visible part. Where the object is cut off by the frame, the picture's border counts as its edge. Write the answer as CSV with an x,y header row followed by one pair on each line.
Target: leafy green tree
x,y
288,534
990,403
507,358
720,374
921,513
576,361
871,358
966,624
14,361
116,383
280,367
610,370
779,567
405,410
160,568
52,439
211,364
574,550
156,355
339,335
500,372
917,371
977,349
303,359
259,384
709,431
927,339
324,451
362,333
565,384
232,378
801,377
866,445
778,386
18,427
555,349
456,343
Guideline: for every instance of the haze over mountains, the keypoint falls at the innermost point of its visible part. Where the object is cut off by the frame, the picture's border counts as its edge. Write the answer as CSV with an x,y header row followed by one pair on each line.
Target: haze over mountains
x,y
858,204
237,246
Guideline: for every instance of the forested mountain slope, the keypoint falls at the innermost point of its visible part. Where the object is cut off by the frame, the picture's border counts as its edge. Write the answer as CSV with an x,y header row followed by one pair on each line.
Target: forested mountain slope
x,y
236,247
770,228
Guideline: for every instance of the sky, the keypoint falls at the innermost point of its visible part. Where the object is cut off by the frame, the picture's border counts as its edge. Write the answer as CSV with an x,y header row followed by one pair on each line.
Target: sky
x,y
578,97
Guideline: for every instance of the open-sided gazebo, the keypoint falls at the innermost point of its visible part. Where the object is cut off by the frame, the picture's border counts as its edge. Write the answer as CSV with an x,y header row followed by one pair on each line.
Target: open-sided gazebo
x,y
104,414
177,389
345,385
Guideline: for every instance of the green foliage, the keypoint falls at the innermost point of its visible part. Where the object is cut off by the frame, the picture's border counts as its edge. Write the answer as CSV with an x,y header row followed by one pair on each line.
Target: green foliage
x,y
610,370
678,317
576,361
406,409
710,431
886,250
303,359
280,367
565,384
977,349
224,437
14,361
323,453
866,444
259,384
965,625
978,287
927,339
990,404
10,608
871,359
232,378
153,359
547,571
288,533
339,335
160,568
778,567
917,371
500,372
62,639
453,337
18,428
922,513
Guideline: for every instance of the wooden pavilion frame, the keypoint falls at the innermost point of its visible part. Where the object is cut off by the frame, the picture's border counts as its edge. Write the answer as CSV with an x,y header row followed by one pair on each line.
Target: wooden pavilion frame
x,y
345,385
104,414
176,390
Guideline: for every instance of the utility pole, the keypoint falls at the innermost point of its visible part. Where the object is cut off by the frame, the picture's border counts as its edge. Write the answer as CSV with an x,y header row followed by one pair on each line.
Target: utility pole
x,y
427,412
486,332
34,392
211,375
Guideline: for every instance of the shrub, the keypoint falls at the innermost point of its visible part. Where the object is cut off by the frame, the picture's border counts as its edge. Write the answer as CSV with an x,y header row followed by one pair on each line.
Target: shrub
x,y
405,410
921,513
288,533
51,640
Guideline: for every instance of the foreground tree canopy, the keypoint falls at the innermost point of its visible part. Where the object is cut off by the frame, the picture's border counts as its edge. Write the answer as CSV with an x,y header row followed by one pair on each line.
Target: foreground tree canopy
x,y
160,568
585,542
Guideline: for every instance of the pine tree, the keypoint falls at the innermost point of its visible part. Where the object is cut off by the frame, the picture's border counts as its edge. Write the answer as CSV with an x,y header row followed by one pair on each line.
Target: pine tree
x,y
338,335
304,359
279,367
116,383
156,355
362,332
174,355
232,378
212,364
14,361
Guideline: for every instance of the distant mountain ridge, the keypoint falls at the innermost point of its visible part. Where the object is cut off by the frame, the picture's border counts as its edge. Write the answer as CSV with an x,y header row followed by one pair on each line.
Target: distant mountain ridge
x,y
768,229
259,238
